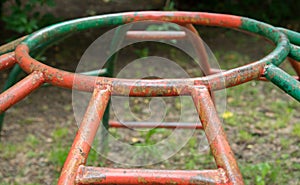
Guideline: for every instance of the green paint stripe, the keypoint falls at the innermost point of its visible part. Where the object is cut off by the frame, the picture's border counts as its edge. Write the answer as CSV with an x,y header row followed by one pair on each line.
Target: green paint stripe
x,y
283,80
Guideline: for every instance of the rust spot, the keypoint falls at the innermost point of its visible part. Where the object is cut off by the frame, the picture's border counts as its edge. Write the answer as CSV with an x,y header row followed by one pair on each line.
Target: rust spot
x,y
142,180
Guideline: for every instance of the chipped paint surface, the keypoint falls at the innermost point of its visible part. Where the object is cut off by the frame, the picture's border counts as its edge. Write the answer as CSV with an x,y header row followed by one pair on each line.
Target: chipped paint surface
x,y
82,143
74,170
216,136
11,45
98,175
19,91
283,80
217,81
7,60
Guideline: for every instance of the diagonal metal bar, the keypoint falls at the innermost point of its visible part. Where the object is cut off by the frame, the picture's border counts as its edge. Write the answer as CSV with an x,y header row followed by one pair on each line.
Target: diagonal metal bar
x,y
11,45
283,80
7,60
215,135
20,90
85,135
295,65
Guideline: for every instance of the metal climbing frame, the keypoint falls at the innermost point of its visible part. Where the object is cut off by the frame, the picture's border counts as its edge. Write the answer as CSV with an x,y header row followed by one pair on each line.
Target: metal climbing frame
x,y
74,170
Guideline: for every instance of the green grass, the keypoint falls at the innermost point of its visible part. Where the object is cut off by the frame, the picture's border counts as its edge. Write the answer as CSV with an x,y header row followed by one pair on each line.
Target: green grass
x,y
296,130
262,173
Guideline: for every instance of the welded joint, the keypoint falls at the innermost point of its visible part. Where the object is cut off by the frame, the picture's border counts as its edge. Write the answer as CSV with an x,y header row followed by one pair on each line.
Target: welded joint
x,y
222,176
38,77
103,86
89,177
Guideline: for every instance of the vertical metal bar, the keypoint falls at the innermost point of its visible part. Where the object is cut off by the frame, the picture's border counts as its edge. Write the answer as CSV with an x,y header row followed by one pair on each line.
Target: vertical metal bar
x,y
84,138
215,135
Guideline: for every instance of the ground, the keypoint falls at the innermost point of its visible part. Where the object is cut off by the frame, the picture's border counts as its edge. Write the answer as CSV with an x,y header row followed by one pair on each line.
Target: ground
x,y
261,121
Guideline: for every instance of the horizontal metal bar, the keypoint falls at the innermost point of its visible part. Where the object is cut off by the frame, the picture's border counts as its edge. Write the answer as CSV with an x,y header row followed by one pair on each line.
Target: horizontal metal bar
x,y
168,35
98,175
171,125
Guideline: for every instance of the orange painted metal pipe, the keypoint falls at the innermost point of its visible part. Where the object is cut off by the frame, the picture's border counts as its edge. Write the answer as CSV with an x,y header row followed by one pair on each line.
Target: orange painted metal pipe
x,y
215,135
20,90
96,175
7,60
171,125
295,65
85,135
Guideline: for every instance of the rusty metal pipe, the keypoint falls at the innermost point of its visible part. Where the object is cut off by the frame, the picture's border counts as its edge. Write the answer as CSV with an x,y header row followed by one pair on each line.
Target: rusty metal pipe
x,y
171,125
11,45
215,135
7,60
20,90
94,175
85,135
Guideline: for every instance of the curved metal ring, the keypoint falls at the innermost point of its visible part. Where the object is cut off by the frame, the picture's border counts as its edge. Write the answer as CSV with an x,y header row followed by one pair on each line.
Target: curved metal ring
x,y
165,87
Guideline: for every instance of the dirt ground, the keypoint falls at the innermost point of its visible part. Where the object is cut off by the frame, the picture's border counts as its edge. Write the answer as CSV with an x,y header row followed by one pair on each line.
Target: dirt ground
x,y
34,127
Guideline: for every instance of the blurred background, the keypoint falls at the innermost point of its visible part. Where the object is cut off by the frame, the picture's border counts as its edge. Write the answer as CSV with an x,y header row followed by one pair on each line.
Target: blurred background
x,y
261,121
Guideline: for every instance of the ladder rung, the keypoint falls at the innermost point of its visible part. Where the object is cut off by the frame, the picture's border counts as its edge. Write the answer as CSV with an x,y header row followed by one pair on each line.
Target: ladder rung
x,y
183,125
98,175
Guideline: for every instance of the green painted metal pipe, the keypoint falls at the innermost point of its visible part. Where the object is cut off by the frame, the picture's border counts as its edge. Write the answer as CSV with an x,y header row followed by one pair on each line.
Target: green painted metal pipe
x,y
280,52
293,36
295,52
283,80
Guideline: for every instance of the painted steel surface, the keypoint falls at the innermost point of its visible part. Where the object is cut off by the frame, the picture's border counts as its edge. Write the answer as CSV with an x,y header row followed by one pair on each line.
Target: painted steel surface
x,y
74,171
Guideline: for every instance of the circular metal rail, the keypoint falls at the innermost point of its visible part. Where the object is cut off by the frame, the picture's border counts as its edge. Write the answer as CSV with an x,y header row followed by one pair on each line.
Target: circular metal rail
x,y
74,170
162,87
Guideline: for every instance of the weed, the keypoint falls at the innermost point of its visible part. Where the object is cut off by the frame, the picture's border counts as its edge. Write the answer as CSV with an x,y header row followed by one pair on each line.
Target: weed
x,y
244,136
32,141
60,133
24,18
261,173
296,130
